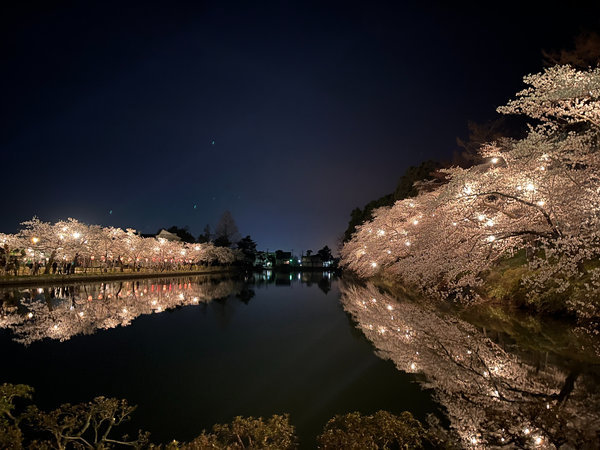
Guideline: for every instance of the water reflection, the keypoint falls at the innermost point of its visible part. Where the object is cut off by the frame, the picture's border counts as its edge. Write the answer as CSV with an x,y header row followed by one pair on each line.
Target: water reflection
x,y
61,312
492,397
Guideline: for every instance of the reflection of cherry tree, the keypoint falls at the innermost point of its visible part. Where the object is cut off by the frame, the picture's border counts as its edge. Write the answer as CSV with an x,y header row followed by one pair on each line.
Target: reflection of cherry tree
x,y
492,397
540,193
92,246
61,313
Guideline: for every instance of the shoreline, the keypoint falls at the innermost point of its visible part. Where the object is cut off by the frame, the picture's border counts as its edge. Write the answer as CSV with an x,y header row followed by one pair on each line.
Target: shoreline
x,y
35,280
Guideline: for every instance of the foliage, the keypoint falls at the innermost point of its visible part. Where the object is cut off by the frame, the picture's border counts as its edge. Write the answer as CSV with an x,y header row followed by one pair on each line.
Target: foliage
x,y
381,430
539,194
274,433
85,425
90,425
10,433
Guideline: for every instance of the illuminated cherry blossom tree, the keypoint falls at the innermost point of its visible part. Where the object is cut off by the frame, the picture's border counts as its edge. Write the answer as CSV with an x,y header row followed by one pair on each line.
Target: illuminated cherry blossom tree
x,y
93,247
540,195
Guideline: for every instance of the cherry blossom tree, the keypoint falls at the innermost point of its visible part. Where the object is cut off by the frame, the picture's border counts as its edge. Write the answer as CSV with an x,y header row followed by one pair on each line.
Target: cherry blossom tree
x,y
540,194
70,242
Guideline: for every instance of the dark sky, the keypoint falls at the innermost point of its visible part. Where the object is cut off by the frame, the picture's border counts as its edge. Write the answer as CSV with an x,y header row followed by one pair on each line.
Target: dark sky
x,y
314,107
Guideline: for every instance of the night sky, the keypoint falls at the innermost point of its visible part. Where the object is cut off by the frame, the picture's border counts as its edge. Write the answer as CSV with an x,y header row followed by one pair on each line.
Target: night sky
x,y
288,114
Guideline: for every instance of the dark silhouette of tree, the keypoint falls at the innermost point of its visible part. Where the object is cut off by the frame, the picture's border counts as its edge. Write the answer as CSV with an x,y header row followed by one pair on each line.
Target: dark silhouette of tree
x,y
226,230
584,54
205,236
248,248
325,254
222,241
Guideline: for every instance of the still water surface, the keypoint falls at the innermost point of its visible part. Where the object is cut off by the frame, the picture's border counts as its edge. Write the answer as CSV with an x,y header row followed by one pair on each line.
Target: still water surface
x,y
191,352
194,351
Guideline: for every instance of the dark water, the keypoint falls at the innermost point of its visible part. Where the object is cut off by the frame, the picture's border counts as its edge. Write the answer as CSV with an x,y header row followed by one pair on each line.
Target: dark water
x,y
191,352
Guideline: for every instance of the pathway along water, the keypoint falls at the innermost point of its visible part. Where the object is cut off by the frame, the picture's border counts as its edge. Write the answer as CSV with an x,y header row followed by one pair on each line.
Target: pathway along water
x,y
194,351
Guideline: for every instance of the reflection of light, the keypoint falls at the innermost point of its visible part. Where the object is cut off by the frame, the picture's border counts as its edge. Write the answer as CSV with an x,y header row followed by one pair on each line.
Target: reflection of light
x,y
473,440
494,160
195,299
40,290
526,431
81,314
373,264
125,310
56,327
76,235
30,315
538,440
413,366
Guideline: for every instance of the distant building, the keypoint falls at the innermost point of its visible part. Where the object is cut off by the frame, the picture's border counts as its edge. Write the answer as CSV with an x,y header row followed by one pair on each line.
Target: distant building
x,y
167,236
